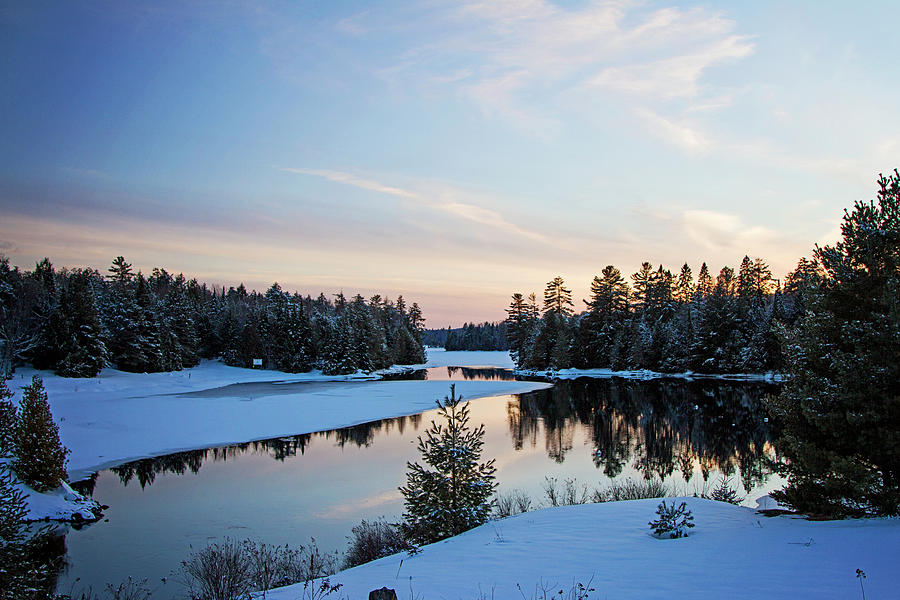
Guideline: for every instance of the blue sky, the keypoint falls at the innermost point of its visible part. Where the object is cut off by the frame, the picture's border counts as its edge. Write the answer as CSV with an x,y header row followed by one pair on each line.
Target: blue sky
x,y
454,152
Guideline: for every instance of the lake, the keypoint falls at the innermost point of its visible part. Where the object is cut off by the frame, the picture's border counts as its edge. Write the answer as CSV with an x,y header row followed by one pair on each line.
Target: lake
x,y
287,490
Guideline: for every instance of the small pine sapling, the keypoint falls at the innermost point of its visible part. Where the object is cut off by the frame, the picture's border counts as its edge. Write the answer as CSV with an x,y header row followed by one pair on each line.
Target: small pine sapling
x,y
453,495
673,521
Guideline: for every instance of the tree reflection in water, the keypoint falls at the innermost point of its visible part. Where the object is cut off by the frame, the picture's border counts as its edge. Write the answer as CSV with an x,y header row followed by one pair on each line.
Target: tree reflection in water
x,y
656,426
146,470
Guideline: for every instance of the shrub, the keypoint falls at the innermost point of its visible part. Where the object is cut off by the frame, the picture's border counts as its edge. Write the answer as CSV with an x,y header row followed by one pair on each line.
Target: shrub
x,y
632,489
513,503
221,571
569,495
373,540
40,457
231,570
673,521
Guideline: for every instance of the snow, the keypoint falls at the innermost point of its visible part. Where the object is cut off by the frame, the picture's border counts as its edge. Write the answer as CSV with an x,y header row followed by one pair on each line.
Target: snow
x,y
733,552
119,417
438,357
646,374
61,504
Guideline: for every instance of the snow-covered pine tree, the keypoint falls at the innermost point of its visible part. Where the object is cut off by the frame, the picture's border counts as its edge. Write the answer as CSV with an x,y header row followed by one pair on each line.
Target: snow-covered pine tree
x,y
840,409
452,494
40,457
14,571
8,418
81,346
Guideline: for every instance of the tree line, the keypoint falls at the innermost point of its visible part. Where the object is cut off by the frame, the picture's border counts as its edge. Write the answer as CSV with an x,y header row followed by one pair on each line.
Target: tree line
x,y
76,321
662,321
471,336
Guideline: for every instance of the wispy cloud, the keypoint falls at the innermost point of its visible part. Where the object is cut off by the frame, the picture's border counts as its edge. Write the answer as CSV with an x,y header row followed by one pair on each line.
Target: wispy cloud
x,y
679,134
447,202
522,55
349,179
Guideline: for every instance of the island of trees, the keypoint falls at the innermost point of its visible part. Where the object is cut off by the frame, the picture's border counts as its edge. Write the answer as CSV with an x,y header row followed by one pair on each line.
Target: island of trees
x,y
471,336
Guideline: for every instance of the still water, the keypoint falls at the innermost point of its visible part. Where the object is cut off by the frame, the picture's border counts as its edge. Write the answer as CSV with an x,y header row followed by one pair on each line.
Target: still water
x,y
288,490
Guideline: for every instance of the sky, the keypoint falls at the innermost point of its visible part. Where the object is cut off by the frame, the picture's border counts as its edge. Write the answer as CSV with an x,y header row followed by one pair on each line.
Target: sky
x,y
454,152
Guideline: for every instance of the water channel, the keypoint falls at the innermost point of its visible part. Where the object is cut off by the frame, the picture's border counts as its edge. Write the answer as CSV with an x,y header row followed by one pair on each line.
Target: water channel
x,y
691,434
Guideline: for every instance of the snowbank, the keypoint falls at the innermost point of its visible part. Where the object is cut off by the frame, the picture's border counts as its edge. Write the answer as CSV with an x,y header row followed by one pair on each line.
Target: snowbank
x,y
645,374
61,504
118,417
733,552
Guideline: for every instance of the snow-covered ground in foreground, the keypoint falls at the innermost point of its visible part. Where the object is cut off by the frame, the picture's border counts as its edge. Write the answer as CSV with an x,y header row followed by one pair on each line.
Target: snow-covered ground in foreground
x,y
118,416
645,374
733,552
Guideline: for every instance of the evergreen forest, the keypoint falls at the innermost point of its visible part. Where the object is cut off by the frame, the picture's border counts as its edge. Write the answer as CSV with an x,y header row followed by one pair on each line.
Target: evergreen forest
x,y
471,336
663,321
77,321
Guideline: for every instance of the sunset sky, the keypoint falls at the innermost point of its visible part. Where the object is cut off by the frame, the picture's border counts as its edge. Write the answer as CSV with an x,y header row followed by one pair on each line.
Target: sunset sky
x,y
455,152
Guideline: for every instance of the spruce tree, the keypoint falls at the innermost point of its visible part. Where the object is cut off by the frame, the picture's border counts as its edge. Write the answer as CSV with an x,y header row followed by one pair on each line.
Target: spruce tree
x,y
452,496
40,457
840,409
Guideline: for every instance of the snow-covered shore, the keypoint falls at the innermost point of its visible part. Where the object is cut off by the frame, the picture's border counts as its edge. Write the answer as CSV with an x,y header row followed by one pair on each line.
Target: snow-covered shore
x,y
733,552
645,374
118,417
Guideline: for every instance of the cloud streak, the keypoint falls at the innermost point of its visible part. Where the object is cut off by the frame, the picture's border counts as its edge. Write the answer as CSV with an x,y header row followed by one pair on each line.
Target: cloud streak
x,y
448,205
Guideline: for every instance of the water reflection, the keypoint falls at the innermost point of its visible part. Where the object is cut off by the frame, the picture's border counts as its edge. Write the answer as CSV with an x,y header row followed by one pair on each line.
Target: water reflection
x,y
657,427
146,470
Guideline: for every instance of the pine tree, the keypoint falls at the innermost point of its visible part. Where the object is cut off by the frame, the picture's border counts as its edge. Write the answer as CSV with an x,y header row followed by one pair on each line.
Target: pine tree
x,y
453,495
609,294
81,346
684,285
641,287
8,418
557,298
839,409
518,324
15,572
704,282
745,279
120,272
40,457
